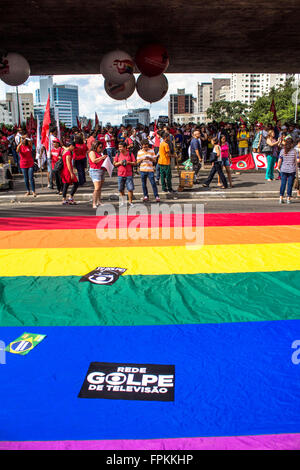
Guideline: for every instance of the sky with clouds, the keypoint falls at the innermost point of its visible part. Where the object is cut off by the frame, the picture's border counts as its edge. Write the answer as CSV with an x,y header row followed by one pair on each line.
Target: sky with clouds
x,y
93,98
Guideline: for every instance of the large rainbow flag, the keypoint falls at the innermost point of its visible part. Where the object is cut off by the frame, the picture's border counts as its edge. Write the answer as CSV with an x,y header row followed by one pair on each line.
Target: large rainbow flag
x,y
225,316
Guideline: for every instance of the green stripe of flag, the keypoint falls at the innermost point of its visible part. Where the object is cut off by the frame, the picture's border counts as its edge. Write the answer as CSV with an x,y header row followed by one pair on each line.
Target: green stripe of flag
x,y
150,300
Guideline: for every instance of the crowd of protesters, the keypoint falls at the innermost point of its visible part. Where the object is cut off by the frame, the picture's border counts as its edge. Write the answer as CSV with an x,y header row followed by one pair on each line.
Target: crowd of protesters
x,y
150,152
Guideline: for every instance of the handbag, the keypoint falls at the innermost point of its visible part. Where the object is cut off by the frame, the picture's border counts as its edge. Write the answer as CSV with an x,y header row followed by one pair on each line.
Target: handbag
x,y
59,165
267,149
213,157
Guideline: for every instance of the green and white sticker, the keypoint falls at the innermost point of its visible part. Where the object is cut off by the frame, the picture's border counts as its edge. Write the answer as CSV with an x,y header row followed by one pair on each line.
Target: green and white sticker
x,y
24,343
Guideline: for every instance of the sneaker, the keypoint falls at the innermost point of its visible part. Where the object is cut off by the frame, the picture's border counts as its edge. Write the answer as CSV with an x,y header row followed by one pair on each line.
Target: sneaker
x,y
157,199
72,202
146,199
281,201
288,201
131,204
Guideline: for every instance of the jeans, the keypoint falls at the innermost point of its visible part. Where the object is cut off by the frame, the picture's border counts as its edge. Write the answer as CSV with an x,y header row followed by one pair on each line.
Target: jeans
x,y
111,152
216,168
289,179
28,178
157,173
16,158
243,150
80,167
144,176
270,168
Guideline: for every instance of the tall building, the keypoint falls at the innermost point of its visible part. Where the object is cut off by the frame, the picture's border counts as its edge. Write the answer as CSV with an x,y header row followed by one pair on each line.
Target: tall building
x,y
137,116
204,96
217,85
223,93
63,101
12,110
5,114
180,103
247,87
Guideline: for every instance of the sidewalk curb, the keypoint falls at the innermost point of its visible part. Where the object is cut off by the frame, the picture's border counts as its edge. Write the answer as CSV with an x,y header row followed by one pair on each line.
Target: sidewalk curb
x,y
185,195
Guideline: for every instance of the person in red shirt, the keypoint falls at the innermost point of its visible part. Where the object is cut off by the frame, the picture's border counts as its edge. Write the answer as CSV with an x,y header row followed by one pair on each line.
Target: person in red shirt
x,y
97,172
24,150
90,140
56,154
79,155
125,161
101,138
68,176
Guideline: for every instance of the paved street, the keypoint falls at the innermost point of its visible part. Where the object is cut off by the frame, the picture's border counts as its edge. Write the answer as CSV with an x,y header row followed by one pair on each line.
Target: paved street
x,y
248,185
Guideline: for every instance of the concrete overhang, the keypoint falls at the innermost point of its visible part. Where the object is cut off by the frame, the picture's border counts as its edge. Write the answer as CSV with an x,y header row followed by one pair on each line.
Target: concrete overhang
x,y
71,36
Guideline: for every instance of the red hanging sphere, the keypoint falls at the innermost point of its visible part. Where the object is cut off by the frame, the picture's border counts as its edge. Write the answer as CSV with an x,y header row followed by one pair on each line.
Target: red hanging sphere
x,y
152,60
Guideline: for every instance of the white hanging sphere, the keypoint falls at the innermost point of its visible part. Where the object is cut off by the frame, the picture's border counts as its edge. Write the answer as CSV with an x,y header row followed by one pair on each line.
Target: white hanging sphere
x,y
117,66
14,69
152,89
120,91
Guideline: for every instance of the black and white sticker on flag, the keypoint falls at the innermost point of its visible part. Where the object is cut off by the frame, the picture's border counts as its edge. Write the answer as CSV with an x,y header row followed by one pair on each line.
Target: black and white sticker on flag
x,y
150,382
103,276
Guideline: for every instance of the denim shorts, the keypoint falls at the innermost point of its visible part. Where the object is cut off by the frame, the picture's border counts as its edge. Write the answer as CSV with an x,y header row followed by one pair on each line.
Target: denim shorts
x,y
128,180
97,174
226,162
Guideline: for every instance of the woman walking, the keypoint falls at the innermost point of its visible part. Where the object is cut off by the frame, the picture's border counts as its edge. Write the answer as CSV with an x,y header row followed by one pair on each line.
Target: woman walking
x,y
97,172
226,159
24,149
67,175
287,164
216,160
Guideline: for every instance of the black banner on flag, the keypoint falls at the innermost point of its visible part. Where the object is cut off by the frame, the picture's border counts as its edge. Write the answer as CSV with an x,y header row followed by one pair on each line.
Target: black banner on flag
x,y
151,382
103,276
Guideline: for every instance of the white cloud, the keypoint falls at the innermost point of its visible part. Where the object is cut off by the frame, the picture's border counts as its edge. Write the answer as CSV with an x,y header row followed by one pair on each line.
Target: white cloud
x,y
93,98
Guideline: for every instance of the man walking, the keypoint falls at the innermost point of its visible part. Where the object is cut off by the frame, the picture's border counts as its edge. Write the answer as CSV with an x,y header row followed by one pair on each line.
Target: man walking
x,y
164,162
196,154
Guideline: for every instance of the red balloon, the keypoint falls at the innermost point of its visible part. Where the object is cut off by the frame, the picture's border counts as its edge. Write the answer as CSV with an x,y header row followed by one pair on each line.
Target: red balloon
x,y
152,60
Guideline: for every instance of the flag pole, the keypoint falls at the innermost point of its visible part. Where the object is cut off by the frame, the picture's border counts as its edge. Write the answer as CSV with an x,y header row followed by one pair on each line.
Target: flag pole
x,y
296,105
19,117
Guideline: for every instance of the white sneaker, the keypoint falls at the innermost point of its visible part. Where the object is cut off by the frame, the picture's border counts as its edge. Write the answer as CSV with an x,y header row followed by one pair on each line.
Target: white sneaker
x,y
281,201
131,204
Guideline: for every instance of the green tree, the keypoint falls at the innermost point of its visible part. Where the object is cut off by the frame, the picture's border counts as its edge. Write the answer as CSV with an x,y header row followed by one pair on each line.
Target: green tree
x,y
227,111
285,108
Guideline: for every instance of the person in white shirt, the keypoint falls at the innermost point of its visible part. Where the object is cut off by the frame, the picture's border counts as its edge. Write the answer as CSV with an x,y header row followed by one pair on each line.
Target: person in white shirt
x,y
110,144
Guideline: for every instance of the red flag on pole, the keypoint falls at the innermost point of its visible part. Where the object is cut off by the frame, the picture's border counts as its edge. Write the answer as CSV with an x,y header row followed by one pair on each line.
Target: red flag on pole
x,y
46,125
78,123
273,110
96,120
89,126
242,120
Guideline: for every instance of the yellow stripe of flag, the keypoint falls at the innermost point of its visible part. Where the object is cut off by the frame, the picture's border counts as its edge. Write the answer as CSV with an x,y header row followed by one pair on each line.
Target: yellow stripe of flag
x,y
151,260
